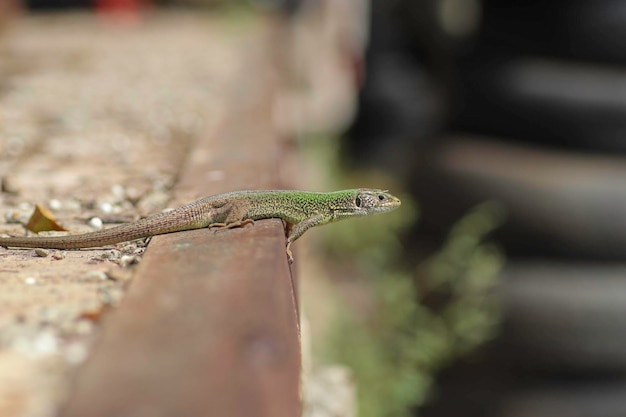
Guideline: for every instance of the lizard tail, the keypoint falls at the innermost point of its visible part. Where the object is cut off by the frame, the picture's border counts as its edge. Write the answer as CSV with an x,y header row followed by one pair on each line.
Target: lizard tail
x,y
153,225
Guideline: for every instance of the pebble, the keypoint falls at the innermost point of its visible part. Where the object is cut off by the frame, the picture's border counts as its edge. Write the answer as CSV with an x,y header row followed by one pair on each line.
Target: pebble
x,y
96,223
42,253
55,204
83,327
58,255
110,295
15,216
30,281
36,344
129,249
128,260
46,343
96,275
7,185
119,274
75,353
111,255
118,191
106,207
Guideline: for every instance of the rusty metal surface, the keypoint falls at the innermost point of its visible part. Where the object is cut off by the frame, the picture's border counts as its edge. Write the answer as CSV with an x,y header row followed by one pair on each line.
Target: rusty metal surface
x,y
207,329
210,324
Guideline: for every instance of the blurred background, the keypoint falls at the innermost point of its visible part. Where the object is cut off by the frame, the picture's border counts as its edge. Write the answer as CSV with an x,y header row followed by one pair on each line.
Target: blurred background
x,y
499,289
519,103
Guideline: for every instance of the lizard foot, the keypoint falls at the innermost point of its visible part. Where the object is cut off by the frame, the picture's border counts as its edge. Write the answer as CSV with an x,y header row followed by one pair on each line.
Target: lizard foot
x,y
289,254
239,223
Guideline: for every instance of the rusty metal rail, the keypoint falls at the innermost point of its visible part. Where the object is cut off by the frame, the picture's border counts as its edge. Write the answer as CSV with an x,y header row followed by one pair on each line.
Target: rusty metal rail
x,y
210,324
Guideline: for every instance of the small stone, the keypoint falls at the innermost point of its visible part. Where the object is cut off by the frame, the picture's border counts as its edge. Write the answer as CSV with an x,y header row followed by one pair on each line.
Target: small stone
x,y
42,253
128,260
46,343
142,243
118,191
96,223
133,194
8,186
75,353
15,217
57,256
119,274
111,255
73,205
84,327
94,276
49,315
30,281
129,249
111,295
55,204
106,207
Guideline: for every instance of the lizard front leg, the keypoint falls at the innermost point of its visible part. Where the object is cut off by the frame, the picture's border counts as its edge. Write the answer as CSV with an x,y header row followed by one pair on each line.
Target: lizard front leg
x,y
298,229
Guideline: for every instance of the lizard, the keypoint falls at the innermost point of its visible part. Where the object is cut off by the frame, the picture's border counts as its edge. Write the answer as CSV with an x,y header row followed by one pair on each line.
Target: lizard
x,y
300,210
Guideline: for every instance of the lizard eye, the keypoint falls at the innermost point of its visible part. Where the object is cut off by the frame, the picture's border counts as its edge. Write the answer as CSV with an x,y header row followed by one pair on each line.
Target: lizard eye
x,y
381,197
357,201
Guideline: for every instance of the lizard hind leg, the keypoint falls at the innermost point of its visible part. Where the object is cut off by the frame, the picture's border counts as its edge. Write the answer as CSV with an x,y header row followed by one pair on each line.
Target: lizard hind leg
x,y
230,217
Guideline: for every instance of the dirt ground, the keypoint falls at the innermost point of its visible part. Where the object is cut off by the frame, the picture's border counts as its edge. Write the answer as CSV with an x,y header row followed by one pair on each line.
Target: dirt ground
x,y
85,133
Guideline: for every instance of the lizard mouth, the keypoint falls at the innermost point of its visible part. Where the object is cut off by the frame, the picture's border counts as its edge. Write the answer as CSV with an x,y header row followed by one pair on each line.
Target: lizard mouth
x,y
392,205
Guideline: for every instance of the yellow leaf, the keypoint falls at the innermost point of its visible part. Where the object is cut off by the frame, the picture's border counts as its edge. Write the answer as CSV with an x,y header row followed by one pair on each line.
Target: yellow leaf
x,y
42,220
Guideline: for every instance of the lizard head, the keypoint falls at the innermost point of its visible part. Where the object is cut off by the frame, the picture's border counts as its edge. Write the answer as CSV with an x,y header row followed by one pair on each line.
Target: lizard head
x,y
370,201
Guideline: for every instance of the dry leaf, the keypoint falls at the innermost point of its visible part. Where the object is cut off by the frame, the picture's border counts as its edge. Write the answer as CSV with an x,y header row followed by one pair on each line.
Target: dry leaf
x,y
42,220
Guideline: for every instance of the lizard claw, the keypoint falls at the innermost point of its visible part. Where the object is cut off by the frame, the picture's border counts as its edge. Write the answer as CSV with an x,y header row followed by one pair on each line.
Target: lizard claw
x,y
289,254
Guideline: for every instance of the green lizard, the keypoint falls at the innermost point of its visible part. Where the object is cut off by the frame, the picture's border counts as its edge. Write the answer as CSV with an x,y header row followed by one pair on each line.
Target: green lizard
x,y
300,210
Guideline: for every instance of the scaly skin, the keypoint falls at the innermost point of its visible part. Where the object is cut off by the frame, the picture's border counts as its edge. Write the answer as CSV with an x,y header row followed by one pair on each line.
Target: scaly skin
x,y
300,210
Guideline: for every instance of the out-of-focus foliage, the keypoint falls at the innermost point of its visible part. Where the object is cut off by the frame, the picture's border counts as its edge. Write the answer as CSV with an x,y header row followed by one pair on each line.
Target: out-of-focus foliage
x,y
418,317
395,352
